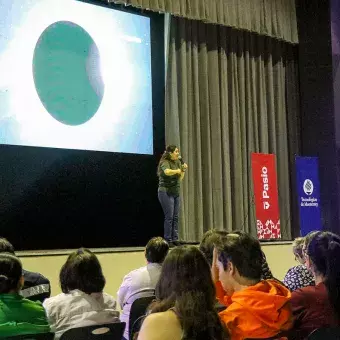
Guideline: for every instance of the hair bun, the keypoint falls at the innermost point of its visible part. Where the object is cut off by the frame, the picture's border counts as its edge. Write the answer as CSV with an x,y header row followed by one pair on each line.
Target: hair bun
x,y
334,245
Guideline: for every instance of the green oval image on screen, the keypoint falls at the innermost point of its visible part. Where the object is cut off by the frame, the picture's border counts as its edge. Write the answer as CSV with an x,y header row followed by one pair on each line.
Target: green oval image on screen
x,y
67,75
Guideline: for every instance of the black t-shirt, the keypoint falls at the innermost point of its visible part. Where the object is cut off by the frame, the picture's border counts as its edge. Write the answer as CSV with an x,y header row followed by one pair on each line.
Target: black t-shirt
x,y
170,184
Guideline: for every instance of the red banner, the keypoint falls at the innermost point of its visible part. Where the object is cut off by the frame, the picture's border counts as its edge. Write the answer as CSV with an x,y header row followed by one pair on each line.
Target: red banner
x,y
266,196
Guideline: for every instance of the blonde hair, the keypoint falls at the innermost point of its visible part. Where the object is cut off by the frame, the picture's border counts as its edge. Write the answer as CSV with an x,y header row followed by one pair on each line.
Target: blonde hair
x,y
298,245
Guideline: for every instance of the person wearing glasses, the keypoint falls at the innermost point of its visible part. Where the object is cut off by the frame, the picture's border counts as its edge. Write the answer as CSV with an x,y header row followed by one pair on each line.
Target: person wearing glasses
x,y
298,276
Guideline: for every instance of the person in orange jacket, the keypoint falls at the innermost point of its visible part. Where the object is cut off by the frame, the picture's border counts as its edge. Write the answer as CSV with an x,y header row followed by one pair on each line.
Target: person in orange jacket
x,y
207,245
222,296
256,309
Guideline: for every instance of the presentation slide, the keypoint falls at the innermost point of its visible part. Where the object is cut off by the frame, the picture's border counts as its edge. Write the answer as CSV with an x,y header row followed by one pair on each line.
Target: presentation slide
x,y
75,75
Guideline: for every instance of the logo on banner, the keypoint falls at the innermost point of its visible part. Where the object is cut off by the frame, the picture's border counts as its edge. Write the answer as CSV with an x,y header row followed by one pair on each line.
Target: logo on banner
x,y
266,196
308,187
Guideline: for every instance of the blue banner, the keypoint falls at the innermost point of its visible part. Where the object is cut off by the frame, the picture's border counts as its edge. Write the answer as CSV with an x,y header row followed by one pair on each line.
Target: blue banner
x,y
308,188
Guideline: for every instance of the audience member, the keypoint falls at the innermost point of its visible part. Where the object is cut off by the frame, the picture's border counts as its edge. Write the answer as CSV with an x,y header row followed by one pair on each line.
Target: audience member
x,y
266,273
82,301
18,316
36,287
212,237
308,238
298,276
186,300
142,282
319,306
256,309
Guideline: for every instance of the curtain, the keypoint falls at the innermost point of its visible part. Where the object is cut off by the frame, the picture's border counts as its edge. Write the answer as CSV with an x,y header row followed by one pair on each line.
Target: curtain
x,y
226,97
274,18
294,126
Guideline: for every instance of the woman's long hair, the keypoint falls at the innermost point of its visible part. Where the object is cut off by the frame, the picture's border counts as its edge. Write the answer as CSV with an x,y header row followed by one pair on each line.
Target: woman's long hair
x,y
186,285
165,157
324,252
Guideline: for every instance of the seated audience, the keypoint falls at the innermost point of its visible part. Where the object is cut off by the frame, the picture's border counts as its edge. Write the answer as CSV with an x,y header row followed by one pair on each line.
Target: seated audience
x,y
298,276
142,282
256,309
36,287
319,306
212,237
82,301
18,316
185,306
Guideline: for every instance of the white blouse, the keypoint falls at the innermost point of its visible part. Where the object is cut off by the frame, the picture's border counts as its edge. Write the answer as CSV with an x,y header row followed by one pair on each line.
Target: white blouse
x,y
138,283
78,309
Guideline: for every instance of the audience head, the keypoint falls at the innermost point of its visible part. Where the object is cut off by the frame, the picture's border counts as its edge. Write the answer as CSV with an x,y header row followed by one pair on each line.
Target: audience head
x,y
239,260
11,279
82,271
323,259
298,245
6,246
185,270
156,250
266,272
210,238
307,240
186,284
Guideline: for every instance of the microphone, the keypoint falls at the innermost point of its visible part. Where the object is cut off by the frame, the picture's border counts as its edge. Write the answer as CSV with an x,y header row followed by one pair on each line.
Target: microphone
x,y
182,162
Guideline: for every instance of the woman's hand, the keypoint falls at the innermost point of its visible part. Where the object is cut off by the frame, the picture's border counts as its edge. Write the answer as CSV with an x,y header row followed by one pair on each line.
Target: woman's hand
x,y
214,267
